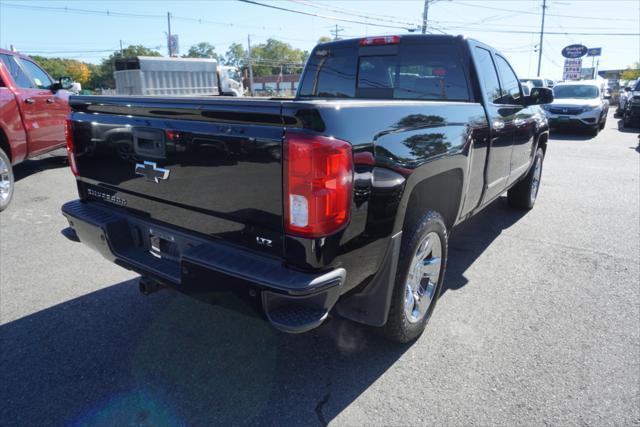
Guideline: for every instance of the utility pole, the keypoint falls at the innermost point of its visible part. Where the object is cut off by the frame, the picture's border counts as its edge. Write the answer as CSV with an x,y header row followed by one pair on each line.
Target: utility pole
x,y
169,34
544,10
425,15
336,32
250,64
121,50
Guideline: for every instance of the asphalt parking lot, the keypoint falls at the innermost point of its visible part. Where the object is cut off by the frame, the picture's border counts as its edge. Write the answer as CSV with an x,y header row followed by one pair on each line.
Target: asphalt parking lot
x,y
539,323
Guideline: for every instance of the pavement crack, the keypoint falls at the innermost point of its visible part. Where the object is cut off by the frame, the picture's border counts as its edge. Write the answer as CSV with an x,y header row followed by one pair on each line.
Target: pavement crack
x,y
319,407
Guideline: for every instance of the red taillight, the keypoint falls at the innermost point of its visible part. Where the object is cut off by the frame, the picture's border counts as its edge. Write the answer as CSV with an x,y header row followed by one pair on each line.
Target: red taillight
x,y
318,176
376,41
68,133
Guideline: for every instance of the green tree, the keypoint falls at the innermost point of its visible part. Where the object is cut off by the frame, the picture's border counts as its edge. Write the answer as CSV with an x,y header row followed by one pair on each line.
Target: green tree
x,y
324,39
632,72
202,50
236,56
275,56
56,67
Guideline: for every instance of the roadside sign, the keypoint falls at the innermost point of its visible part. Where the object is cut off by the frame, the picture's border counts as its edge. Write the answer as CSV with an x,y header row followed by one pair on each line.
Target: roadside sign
x,y
594,51
174,44
572,69
574,51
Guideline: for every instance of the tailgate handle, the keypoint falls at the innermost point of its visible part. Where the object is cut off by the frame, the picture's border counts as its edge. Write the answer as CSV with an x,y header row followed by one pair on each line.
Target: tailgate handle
x,y
149,142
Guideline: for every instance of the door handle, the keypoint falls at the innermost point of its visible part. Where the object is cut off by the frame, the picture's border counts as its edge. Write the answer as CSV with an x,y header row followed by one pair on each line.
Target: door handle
x,y
29,100
50,100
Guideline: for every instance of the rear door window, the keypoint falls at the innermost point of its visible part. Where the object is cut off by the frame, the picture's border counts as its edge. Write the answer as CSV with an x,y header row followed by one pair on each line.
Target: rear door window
x,y
510,84
488,75
412,71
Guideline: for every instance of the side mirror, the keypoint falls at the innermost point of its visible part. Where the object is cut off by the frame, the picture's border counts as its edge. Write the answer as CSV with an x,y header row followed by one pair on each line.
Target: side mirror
x,y
62,83
627,89
539,95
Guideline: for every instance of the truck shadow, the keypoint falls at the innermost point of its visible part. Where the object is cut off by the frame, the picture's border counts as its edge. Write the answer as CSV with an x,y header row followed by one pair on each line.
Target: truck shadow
x,y
471,238
113,357
31,167
627,129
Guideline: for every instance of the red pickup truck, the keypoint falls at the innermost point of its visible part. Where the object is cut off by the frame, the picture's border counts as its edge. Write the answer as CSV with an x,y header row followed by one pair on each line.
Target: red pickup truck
x,y
33,109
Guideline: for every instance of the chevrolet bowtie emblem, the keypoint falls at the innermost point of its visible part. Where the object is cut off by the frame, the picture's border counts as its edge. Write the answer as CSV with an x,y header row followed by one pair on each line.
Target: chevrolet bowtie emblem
x,y
151,171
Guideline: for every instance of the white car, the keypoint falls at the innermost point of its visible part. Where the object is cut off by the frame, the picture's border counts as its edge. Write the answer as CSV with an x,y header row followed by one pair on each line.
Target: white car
x,y
578,105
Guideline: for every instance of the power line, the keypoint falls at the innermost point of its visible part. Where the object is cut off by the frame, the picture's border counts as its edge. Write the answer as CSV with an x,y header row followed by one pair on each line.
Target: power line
x,y
316,15
381,18
110,13
536,13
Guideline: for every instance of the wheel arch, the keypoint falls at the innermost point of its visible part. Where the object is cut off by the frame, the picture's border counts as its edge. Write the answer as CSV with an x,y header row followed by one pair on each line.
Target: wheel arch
x,y
428,194
542,141
4,145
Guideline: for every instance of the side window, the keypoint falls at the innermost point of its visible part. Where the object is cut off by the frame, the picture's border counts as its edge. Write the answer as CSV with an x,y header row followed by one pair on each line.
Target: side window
x,y
488,75
38,75
510,86
18,76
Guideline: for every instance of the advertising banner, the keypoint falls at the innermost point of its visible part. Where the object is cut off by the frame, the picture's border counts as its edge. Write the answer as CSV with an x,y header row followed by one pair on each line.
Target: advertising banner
x,y
572,69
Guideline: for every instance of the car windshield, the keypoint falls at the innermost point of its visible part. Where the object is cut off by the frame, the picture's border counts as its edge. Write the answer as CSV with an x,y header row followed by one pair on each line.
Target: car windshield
x,y
575,91
636,86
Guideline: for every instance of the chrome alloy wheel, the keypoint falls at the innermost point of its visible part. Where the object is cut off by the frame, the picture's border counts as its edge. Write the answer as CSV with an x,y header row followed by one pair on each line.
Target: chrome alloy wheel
x,y
535,182
5,181
422,280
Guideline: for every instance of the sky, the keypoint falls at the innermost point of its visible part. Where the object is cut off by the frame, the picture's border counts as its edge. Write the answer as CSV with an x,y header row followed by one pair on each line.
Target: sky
x,y
58,28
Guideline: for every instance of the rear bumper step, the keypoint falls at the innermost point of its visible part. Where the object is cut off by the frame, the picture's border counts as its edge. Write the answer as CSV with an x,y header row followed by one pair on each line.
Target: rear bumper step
x,y
293,301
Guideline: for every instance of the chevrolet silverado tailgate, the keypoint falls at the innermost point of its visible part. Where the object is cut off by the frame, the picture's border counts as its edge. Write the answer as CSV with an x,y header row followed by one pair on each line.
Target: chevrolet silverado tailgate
x,y
207,165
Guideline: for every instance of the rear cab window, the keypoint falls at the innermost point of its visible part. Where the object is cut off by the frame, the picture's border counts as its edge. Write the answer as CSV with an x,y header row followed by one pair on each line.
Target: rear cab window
x,y
417,69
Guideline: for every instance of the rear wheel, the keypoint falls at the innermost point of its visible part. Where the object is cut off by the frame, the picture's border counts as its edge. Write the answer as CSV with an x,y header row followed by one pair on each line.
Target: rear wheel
x,y
523,195
421,268
6,181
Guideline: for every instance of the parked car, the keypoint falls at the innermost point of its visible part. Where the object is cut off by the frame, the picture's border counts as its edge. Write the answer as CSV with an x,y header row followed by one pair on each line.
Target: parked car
x,y
389,143
625,91
631,112
33,109
578,105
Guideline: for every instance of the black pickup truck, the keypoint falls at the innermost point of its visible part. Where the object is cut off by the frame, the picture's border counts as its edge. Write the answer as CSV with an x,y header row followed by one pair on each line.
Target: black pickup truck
x,y
339,200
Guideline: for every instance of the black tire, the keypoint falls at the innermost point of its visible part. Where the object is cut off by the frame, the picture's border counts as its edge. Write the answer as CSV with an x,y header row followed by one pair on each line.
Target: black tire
x,y
626,122
6,179
595,130
523,195
399,327
603,122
